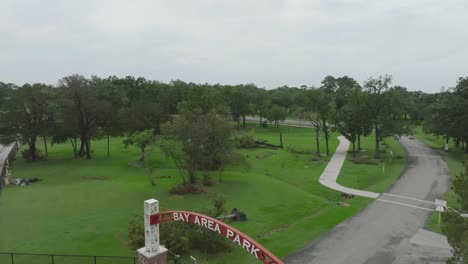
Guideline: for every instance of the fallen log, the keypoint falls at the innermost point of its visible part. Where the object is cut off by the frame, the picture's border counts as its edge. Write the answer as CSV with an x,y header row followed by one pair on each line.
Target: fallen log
x,y
266,145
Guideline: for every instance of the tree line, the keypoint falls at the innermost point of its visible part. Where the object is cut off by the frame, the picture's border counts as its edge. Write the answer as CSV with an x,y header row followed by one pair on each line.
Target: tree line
x,y
80,109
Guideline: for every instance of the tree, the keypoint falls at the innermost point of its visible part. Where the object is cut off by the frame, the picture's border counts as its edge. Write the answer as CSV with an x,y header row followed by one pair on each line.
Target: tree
x,y
382,103
238,101
26,116
455,227
309,102
5,92
205,140
352,119
142,140
82,109
276,114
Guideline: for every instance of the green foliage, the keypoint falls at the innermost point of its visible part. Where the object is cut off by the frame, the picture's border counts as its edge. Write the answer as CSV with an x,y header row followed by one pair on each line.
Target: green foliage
x,y
245,140
455,227
142,139
460,187
218,205
26,116
177,236
277,114
204,139
136,232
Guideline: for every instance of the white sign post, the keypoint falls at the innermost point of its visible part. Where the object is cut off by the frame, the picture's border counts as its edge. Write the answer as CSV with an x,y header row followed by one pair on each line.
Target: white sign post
x,y
441,206
153,252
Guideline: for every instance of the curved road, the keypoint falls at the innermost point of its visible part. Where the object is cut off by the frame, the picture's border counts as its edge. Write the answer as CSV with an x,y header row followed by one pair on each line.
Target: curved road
x,y
389,231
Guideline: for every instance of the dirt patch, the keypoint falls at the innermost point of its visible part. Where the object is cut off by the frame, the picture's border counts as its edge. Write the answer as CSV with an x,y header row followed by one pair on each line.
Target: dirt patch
x,y
94,178
275,229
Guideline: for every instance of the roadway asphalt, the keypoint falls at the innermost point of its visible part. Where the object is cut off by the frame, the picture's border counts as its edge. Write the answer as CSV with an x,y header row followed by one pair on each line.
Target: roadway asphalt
x,y
385,232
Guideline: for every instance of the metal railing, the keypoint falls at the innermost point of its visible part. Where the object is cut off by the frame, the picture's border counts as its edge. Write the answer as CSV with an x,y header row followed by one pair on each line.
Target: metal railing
x,y
9,158
32,258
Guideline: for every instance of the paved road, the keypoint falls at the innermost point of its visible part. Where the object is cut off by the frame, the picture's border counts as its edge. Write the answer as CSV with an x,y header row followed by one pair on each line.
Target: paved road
x,y
386,232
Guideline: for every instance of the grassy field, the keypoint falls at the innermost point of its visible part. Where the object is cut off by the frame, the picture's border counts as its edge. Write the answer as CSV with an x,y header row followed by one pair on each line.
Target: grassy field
x,y
455,160
375,178
83,206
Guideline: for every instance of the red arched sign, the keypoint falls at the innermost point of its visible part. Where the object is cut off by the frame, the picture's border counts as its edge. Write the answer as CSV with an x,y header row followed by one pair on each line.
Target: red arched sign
x,y
220,227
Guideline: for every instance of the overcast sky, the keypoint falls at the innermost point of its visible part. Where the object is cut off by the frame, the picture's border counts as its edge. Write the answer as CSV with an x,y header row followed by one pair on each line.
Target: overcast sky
x,y
423,44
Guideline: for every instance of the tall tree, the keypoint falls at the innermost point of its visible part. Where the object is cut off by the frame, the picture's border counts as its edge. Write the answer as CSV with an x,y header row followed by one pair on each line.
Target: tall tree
x,y
455,227
26,116
205,140
276,114
81,103
385,114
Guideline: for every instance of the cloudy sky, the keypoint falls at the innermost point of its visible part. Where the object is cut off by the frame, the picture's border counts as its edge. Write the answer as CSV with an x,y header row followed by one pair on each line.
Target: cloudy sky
x,y
423,44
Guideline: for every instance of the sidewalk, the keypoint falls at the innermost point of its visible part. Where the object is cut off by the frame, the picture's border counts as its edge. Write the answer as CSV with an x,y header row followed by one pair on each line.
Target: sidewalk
x,y
331,172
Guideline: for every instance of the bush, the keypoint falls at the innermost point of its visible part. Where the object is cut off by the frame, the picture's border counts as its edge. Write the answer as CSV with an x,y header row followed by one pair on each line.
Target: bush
x,y
218,205
176,236
209,242
245,140
365,160
26,154
136,233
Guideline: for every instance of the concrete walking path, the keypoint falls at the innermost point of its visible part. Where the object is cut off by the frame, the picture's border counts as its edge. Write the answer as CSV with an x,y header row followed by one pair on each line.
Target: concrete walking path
x,y
331,172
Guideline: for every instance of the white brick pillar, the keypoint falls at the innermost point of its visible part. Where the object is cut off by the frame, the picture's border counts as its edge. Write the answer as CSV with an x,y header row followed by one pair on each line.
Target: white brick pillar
x,y
153,252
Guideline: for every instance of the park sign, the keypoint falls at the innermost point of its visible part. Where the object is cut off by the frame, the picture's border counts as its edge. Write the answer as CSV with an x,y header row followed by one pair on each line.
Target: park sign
x,y
219,227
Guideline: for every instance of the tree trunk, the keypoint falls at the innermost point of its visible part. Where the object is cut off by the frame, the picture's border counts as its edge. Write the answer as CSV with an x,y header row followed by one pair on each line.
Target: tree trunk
x,y
108,148
73,143
243,121
32,149
238,121
377,144
463,144
88,149
354,148
261,120
45,147
317,141
325,132
281,139
191,171
142,154
82,147
359,142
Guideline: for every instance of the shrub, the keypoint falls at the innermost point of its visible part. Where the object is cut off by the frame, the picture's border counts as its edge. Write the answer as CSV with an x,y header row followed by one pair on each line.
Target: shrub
x,y
176,236
136,232
245,140
218,205
208,241
26,154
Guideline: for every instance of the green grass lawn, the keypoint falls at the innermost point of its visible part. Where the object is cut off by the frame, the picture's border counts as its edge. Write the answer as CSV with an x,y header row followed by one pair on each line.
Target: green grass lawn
x,y
454,158
83,206
375,178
